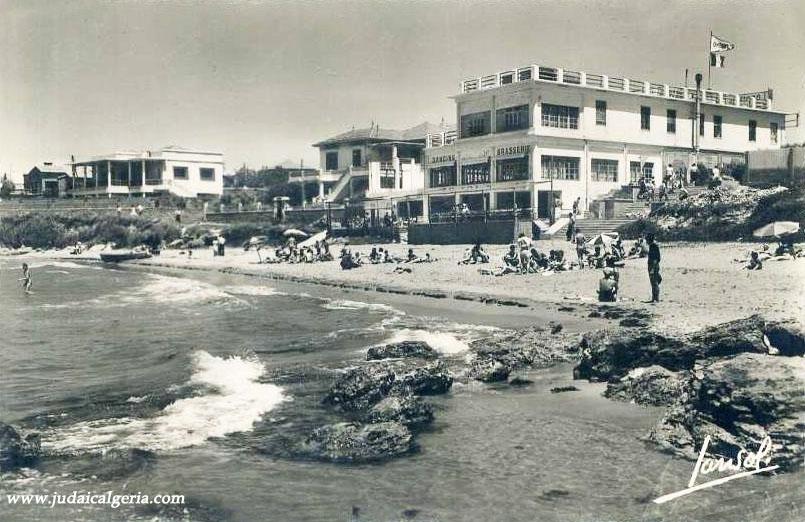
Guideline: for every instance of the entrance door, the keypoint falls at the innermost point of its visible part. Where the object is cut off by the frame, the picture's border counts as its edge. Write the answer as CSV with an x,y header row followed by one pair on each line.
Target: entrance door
x,y
544,203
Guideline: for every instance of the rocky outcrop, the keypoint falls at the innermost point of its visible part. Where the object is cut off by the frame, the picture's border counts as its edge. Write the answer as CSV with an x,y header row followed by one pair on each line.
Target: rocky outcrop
x,y
350,442
15,450
431,379
418,349
610,355
360,388
497,356
652,386
407,409
739,401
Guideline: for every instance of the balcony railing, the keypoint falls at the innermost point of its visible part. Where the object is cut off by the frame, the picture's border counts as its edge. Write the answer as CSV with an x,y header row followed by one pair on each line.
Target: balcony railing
x,y
439,139
544,73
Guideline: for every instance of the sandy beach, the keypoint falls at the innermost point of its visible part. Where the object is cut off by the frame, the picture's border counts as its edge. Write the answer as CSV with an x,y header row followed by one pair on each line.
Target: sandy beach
x,y
702,284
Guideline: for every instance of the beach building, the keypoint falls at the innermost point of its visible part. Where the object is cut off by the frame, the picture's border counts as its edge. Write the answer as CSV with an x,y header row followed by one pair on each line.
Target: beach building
x,y
47,180
174,170
373,164
539,137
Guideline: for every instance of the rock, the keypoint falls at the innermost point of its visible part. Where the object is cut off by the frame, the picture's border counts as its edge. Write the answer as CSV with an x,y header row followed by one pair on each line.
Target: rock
x,y
608,356
359,388
349,442
526,347
654,386
489,370
407,409
431,379
402,349
15,450
519,381
563,389
739,401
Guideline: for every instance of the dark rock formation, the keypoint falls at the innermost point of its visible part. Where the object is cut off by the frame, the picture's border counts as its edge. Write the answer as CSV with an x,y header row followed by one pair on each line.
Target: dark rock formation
x,y
407,409
608,356
15,450
359,388
431,379
654,386
498,355
739,401
349,442
489,370
563,389
402,349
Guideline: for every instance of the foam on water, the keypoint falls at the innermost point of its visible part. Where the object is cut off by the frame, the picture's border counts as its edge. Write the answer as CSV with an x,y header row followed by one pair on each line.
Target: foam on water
x,y
448,338
346,304
253,290
232,401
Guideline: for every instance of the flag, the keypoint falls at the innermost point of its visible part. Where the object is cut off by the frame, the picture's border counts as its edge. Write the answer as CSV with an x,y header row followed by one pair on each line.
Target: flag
x,y
716,60
719,45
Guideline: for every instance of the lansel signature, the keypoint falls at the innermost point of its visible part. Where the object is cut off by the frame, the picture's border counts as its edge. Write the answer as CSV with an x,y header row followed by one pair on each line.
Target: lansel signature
x,y
746,463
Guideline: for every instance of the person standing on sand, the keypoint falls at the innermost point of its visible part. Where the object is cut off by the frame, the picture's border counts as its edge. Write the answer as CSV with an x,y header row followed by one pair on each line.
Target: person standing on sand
x,y
581,242
26,278
654,276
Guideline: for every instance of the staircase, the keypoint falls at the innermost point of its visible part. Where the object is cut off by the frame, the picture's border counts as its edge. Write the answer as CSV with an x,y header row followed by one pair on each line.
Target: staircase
x,y
593,227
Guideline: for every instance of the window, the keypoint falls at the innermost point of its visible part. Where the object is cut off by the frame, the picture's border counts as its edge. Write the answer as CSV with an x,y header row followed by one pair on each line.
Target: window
x,y
475,173
443,176
604,170
331,160
356,158
701,124
206,174
773,128
476,124
387,181
645,117
670,121
560,167
600,112
636,172
560,116
511,118
716,126
752,130
514,169
179,172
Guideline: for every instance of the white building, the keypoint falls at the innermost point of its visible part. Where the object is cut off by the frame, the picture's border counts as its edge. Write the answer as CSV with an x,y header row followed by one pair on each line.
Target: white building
x,y
528,132
183,172
375,164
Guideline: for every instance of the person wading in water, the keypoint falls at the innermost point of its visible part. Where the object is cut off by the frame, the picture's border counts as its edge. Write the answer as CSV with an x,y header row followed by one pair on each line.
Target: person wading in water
x,y
654,276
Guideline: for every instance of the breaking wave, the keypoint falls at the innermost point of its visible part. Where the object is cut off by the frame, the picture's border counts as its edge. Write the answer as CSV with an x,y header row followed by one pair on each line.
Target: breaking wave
x,y
232,400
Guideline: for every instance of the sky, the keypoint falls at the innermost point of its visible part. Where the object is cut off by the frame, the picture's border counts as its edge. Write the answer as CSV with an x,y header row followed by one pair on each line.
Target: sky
x,y
262,81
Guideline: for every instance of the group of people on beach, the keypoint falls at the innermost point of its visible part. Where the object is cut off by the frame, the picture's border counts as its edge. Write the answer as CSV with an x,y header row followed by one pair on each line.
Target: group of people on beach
x,y
350,260
785,250
291,252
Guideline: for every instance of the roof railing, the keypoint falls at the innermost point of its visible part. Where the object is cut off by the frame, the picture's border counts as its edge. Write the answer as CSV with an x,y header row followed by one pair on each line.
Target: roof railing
x,y
543,73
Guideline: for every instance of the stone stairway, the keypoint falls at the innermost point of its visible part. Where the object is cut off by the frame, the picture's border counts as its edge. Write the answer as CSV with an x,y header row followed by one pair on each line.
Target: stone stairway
x,y
593,227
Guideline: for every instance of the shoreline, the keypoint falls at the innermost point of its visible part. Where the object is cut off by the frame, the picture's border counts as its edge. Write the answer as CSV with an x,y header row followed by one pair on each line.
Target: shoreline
x,y
702,283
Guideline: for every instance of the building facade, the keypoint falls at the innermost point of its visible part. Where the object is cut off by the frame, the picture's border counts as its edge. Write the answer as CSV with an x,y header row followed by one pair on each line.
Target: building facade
x,y
182,172
47,180
542,137
373,165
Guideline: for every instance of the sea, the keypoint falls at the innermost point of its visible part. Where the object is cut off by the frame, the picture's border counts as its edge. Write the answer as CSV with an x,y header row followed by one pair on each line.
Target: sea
x,y
200,385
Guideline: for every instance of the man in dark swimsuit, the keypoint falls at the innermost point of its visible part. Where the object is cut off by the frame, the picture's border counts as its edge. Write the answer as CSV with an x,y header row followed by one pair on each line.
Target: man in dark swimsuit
x,y
654,276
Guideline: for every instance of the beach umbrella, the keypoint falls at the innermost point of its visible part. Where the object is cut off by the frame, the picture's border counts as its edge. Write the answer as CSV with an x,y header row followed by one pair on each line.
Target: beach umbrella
x,y
320,236
777,228
294,232
606,239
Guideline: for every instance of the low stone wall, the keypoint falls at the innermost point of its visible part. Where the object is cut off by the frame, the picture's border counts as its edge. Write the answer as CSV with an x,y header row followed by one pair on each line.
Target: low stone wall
x,y
490,232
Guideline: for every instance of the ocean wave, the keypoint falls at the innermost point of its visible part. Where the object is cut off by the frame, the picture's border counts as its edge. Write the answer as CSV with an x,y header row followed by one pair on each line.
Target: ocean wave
x,y
51,263
446,337
346,304
232,401
252,290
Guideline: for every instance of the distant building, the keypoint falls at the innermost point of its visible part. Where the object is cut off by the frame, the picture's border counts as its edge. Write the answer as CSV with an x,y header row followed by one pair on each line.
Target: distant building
x,y
373,164
173,170
47,180
540,137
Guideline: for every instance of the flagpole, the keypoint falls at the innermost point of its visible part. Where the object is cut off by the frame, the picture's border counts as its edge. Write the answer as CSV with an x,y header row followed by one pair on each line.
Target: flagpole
x,y
709,57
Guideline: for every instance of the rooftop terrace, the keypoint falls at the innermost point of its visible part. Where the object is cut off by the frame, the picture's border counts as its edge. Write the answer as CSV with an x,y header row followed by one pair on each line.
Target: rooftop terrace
x,y
541,73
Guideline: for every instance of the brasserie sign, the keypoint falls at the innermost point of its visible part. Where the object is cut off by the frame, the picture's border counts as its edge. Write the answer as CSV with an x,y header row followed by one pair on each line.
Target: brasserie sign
x,y
512,150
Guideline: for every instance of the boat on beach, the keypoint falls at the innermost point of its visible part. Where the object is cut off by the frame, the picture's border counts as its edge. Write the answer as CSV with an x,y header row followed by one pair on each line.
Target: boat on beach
x,y
116,256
